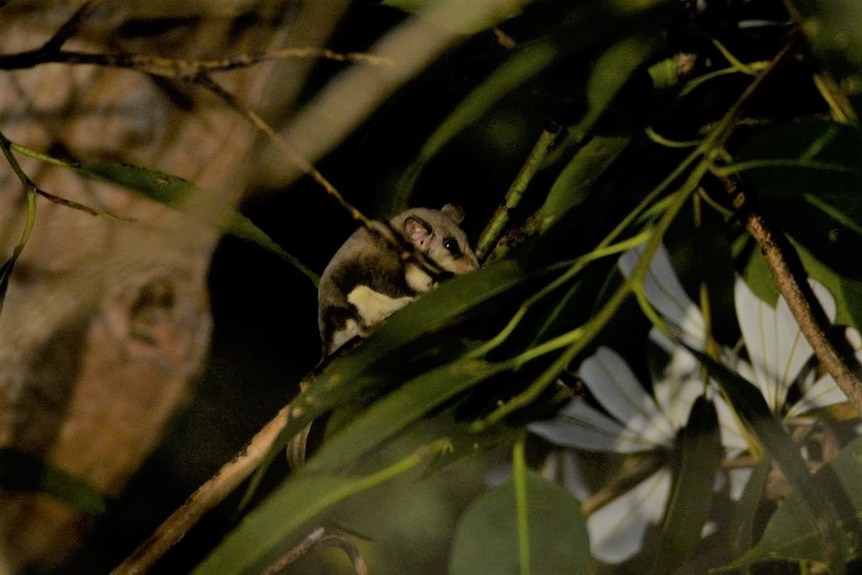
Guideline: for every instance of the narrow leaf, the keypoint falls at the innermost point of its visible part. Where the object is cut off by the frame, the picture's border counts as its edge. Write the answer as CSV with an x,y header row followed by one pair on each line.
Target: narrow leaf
x,y
5,273
579,176
273,526
789,535
179,194
182,195
394,412
353,375
526,63
819,510
742,536
690,503
809,173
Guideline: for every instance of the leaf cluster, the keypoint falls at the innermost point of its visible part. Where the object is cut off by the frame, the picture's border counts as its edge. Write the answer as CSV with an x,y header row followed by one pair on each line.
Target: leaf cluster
x,y
648,110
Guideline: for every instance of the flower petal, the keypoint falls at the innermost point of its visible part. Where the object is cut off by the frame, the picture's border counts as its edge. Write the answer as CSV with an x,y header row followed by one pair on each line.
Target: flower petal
x,y
775,344
581,426
823,393
617,529
616,388
665,292
734,436
561,466
675,394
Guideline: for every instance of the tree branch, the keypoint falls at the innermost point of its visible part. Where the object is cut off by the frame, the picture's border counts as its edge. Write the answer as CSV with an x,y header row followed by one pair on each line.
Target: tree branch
x,y
205,498
316,539
791,280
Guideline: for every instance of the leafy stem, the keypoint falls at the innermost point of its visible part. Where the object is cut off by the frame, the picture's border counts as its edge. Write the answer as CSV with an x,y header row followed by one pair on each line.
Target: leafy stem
x,y
697,164
30,191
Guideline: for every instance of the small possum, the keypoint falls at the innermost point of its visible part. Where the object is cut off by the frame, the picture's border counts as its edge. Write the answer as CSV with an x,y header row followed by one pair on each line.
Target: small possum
x,y
367,280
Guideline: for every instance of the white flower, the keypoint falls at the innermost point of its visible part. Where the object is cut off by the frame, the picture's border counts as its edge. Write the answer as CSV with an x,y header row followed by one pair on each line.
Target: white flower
x,y
777,350
636,422
777,354
665,292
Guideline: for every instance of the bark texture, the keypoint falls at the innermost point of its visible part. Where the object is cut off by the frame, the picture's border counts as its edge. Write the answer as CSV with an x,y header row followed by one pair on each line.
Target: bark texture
x,y
106,323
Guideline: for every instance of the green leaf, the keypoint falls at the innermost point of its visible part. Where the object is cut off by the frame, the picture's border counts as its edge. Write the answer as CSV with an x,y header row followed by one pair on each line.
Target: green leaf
x,y
400,337
382,359
182,195
833,28
809,173
848,292
745,513
394,412
526,63
24,472
578,177
611,72
690,503
820,511
790,535
486,539
268,530
179,194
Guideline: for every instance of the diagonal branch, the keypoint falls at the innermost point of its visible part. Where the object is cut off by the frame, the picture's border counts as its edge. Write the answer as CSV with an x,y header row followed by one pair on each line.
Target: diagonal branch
x,y
790,278
205,498
175,67
406,250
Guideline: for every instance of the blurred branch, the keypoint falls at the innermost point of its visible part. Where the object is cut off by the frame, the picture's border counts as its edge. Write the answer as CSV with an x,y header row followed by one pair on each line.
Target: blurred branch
x,y
51,52
175,68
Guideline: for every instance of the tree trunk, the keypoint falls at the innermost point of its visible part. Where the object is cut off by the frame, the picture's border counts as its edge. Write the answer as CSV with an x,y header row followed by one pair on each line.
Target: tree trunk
x,y
106,323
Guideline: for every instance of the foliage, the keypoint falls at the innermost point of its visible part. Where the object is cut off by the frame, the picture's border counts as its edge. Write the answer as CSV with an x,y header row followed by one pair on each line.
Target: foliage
x,y
669,113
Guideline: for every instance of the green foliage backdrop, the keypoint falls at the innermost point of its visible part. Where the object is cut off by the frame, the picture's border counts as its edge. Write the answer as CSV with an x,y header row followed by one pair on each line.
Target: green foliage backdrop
x,y
665,177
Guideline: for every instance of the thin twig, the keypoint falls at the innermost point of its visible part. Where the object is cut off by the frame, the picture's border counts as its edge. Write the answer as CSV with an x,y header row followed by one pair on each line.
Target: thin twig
x,y
303,547
498,222
69,28
789,276
207,82
30,190
406,250
177,68
316,539
184,69
83,207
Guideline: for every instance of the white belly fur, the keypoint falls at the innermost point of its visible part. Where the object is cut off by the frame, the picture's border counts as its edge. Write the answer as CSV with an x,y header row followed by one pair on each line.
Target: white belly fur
x,y
374,307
